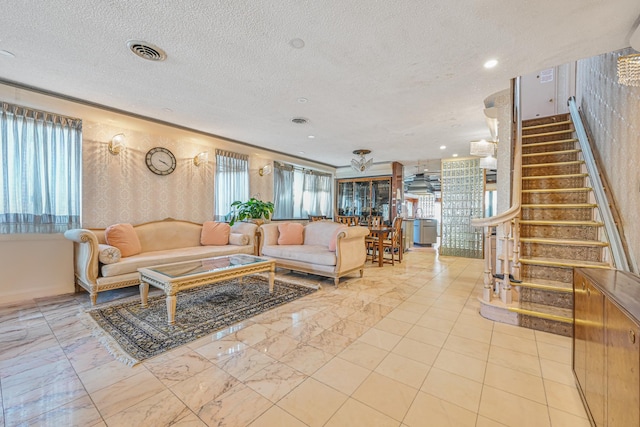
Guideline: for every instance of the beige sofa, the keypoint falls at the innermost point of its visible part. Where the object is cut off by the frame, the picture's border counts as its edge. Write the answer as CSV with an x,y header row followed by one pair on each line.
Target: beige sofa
x,y
314,255
162,242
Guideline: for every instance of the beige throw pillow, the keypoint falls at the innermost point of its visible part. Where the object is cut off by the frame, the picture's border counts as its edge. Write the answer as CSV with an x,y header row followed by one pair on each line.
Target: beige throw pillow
x,y
108,254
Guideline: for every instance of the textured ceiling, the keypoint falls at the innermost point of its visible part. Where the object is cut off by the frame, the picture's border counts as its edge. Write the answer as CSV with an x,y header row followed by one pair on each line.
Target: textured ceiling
x,y
397,77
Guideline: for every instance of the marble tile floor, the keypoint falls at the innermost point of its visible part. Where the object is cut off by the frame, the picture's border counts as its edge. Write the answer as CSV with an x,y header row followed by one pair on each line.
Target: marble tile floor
x,y
403,346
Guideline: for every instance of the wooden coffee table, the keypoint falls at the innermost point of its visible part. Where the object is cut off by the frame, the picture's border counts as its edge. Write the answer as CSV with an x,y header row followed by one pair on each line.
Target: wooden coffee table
x,y
175,277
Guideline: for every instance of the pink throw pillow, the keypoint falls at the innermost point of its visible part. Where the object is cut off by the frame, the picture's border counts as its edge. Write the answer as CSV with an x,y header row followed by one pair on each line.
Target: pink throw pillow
x,y
215,233
123,237
291,233
333,243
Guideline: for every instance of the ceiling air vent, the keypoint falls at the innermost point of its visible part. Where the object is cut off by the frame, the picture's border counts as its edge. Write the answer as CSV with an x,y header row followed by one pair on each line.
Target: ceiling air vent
x,y
299,120
146,50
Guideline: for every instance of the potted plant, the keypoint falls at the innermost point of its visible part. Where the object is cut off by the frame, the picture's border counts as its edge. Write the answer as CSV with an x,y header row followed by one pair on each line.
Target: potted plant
x,y
252,209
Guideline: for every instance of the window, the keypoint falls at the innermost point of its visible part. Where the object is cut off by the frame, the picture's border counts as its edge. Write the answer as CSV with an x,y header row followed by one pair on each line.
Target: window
x,y
300,192
232,181
41,175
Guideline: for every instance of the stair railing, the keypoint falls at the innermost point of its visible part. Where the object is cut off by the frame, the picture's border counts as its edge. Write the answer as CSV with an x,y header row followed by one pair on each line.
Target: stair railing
x,y
506,224
611,230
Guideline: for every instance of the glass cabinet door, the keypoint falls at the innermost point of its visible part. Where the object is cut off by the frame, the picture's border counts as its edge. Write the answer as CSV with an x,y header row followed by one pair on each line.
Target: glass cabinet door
x,y
362,198
346,200
380,198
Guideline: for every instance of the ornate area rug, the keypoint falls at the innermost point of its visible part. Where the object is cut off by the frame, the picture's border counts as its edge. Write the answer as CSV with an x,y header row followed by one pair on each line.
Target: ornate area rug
x,y
132,333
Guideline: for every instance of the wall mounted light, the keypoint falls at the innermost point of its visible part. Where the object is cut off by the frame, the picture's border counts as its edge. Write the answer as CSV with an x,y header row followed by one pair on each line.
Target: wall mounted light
x,y
117,144
482,148
629,70
265,170
201,158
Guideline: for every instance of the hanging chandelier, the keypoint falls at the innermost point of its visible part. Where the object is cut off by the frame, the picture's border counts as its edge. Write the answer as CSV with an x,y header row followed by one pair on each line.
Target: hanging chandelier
x,y
629,70
361,164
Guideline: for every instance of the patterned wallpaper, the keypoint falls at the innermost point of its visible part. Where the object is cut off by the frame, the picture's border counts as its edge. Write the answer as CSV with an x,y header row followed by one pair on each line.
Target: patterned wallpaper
x,y
120,188
613,116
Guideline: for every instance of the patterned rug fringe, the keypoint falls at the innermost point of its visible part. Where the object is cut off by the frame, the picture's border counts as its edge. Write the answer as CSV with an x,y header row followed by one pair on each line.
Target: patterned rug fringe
x,y
109,343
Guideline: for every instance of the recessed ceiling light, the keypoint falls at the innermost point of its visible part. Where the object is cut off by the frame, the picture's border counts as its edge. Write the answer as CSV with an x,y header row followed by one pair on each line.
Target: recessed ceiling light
x,y
300,152
491,63
299,120
442,147
311,136
303,100
7,53
297,43
167,110
455,155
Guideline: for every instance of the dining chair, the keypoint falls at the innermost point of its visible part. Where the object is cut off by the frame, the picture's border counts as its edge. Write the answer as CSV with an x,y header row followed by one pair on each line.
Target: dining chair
x,y
317,218
348,220
393,245
371,242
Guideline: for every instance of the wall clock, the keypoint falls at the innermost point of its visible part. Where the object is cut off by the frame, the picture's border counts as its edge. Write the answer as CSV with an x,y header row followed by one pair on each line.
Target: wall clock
x,y
160,161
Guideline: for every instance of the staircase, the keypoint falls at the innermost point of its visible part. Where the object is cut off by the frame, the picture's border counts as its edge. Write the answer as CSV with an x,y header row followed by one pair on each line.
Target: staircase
x,y
557,228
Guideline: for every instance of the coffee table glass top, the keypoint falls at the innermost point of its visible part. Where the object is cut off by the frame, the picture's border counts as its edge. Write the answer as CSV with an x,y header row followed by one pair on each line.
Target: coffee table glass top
x,y
207,265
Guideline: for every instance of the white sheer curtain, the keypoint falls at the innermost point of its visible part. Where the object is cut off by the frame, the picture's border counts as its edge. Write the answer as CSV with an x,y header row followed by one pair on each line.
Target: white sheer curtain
x,y
232,181
300,192
41,175
282,189
317,193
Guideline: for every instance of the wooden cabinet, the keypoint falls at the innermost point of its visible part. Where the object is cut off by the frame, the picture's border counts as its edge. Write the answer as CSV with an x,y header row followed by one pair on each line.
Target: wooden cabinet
x,y
378,196
606,353
623,360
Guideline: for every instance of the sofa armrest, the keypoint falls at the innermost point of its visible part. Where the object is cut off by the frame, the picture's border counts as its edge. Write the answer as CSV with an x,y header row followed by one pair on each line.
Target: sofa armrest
x,y
350,248
249,229
246,228
85,254
354,232
268,235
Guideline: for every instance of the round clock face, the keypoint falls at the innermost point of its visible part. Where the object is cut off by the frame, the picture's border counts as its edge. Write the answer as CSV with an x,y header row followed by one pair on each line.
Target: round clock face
x,y
161,161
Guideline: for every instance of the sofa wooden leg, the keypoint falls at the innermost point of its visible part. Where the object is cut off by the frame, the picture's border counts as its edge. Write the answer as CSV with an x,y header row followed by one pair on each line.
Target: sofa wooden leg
x,y
336,280
361,272
94,298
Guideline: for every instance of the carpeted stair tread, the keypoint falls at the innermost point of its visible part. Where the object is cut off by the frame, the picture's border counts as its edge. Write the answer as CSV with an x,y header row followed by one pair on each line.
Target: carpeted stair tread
x,y
550,153
557,190
564,242
544,311
542,165
568,175
554,285
560,262
561,206
544,125
561,223
542,144
558,132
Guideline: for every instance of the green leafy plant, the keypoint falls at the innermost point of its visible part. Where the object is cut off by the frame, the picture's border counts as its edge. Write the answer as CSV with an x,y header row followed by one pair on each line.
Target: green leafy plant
x,y
251,209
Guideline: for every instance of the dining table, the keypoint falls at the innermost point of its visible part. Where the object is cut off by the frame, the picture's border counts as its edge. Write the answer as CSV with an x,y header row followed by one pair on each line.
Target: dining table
x,y
381,233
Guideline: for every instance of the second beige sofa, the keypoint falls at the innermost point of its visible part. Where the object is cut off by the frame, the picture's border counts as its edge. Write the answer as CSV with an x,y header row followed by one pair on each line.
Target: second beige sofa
x,y
314,255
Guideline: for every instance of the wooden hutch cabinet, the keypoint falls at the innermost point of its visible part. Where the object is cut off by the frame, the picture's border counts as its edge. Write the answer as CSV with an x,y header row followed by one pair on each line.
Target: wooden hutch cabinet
x,y
376,196
606,350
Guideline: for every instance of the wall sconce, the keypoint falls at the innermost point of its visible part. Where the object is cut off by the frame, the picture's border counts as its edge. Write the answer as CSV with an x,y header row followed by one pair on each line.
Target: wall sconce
x,y
265,170
201,158
117,144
